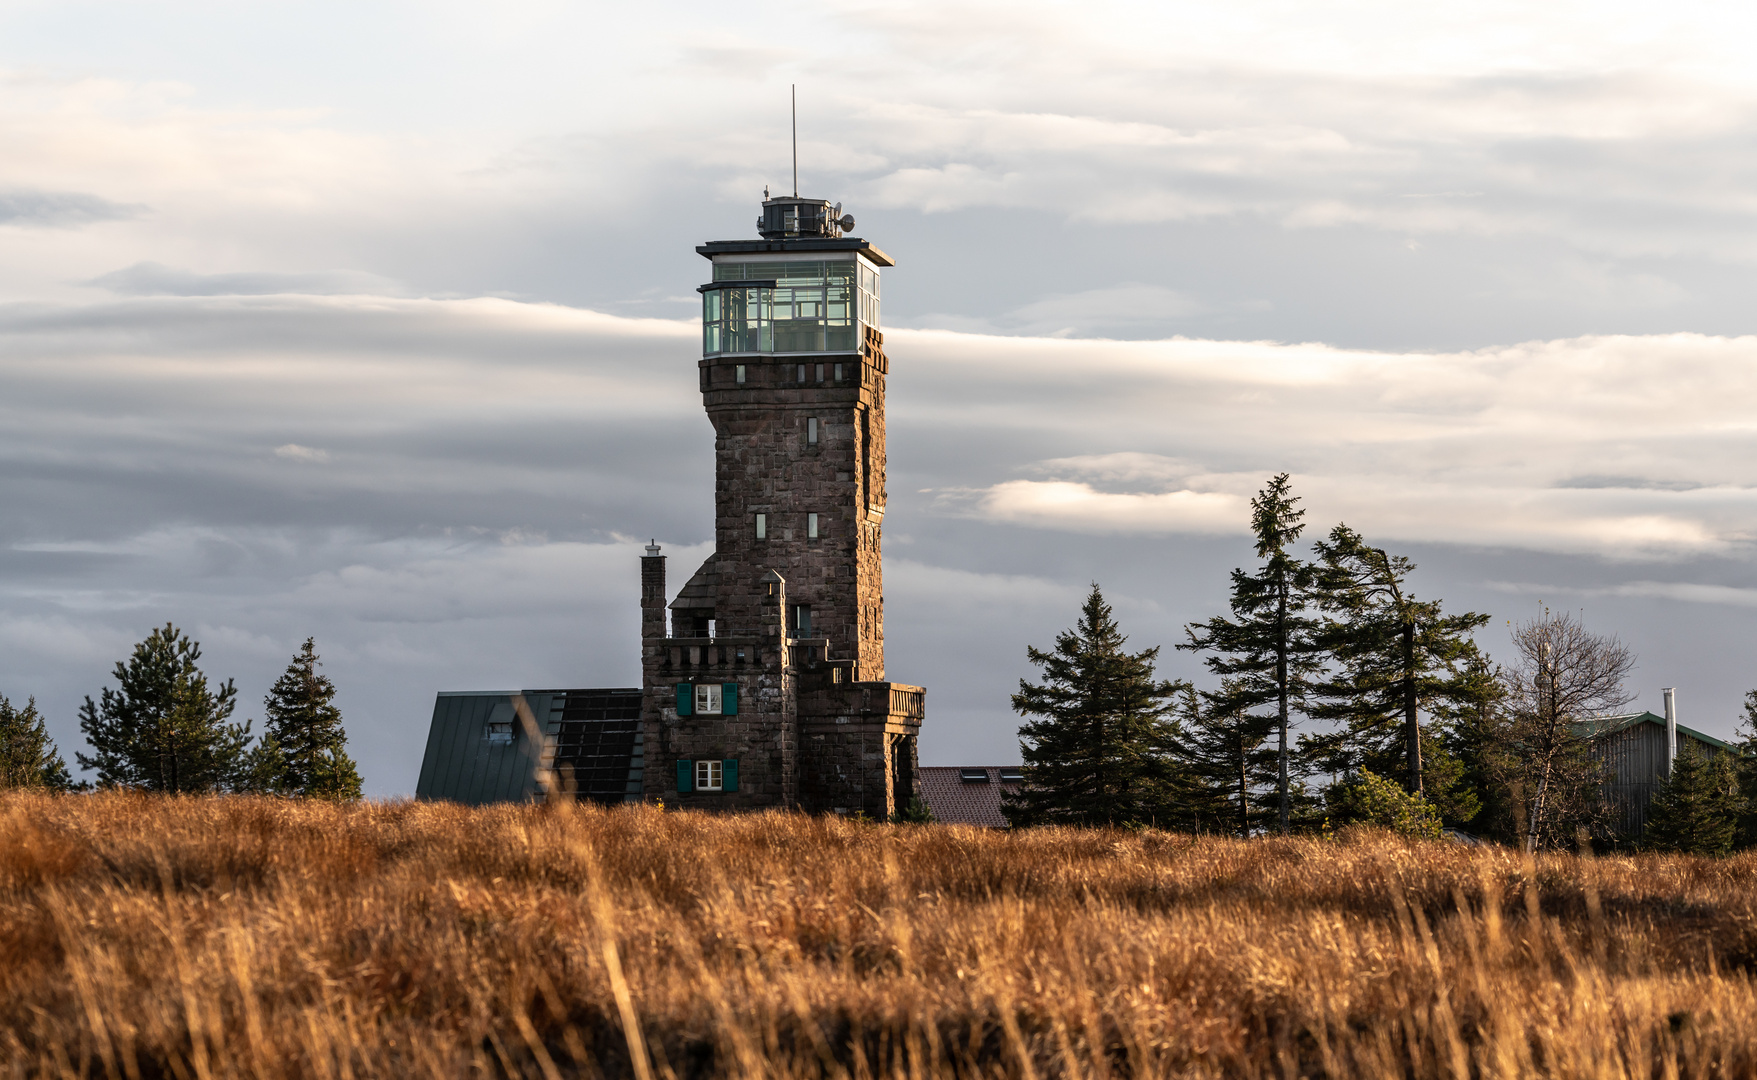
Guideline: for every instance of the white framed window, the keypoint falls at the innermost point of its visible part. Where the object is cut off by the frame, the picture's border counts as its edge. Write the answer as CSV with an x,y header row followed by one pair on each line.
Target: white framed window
x,y
738,374
762,526
811,431
811,526
707,699
708,776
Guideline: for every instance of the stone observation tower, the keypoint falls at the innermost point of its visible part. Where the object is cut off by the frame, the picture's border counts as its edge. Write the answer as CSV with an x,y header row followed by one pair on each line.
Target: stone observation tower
x,y
768,688
766,685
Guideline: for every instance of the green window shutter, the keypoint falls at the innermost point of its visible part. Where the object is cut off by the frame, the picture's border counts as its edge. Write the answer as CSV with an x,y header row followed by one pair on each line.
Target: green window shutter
x,y
729,774
685,699
685,776
729,699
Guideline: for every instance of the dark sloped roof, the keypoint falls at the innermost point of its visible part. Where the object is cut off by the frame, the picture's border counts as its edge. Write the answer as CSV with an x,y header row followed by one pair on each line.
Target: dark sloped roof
x,y
1605,725
957,801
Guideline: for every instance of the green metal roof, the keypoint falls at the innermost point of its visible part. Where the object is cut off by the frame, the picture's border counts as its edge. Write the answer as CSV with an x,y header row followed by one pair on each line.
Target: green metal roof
x,y
1605,725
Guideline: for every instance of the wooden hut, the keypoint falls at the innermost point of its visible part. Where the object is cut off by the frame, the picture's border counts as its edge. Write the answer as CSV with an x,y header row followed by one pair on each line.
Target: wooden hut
x,y
1634,747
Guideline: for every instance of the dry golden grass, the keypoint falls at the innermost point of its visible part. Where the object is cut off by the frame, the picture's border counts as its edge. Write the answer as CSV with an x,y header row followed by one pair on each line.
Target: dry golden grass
x,y
242,937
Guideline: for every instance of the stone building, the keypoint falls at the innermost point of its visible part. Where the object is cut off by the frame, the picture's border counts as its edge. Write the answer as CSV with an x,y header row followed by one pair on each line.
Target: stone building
x,y
763,680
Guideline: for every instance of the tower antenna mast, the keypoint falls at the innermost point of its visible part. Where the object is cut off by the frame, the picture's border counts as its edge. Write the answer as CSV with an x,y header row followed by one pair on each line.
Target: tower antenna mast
x,y
795,89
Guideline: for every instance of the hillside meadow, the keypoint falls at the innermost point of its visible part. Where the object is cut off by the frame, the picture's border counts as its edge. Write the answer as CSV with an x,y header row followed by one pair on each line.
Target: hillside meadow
x,y
238,937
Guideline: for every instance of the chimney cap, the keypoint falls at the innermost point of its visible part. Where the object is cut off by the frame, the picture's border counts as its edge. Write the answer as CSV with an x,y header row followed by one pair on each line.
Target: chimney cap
x,y
653,548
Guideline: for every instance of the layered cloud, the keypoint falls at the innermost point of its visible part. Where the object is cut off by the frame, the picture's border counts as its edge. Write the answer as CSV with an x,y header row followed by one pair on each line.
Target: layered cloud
x,y
453,493
1358,173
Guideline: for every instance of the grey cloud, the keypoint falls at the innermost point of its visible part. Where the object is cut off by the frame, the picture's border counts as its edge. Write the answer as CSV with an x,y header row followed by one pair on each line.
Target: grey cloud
x,y
155,279
61,209
493,468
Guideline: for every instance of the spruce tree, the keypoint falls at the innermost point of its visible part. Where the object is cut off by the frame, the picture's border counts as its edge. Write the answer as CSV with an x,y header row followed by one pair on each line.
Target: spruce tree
x,y
164,728
303,749
1100,755
1745,771
28,758
1229,754
1696,809
1267,648
1395,658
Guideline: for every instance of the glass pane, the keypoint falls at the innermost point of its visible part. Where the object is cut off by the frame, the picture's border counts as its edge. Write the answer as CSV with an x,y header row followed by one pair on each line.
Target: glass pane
x,y
799,320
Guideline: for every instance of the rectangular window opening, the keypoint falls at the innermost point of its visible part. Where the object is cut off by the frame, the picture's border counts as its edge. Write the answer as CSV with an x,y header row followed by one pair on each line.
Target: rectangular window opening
x,y
500,732
708,775
801,620
762,526
811,526
707,699
801,377
820,373
811,431
738,374
838,372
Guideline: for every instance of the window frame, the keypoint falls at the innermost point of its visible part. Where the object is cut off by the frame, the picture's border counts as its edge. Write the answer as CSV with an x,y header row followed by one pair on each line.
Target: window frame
x,y
710,774
709,699
762,526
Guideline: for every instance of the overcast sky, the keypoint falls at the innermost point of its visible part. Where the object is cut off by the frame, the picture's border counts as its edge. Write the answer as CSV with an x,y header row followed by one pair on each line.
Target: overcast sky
x,y
376,322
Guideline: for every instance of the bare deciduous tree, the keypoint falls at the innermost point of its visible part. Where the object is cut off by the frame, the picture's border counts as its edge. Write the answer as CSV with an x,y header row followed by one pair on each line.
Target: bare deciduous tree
x,y
1565,676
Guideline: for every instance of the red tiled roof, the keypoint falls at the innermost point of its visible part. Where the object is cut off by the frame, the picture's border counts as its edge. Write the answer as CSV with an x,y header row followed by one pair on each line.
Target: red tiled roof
x,y
956,801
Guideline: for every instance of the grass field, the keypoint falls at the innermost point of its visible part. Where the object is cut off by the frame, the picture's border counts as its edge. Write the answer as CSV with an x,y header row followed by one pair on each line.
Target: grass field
x,y
257,938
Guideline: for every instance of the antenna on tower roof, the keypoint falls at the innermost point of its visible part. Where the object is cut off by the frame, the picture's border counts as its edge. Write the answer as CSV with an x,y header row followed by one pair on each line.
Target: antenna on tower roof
x,y
795,89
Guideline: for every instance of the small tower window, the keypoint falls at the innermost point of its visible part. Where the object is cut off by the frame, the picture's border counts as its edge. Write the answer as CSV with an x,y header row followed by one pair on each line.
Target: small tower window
x,y
738,374
801,620
708,775
811,431
820,373
707,699
838,373
811,526
762,526
801,377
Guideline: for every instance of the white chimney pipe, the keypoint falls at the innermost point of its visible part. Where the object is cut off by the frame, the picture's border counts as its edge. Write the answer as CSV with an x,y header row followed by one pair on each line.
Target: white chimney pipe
x,y
1671,728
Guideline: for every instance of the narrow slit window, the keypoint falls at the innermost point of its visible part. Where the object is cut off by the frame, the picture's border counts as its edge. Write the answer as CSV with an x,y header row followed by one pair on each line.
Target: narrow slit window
x,y
838,372
801,620
811,526
811,431
801,378
762,526
738,374
820,373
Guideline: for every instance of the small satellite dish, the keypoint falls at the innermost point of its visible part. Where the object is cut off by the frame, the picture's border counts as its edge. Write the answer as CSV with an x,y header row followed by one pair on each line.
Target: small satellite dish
x,y
846,223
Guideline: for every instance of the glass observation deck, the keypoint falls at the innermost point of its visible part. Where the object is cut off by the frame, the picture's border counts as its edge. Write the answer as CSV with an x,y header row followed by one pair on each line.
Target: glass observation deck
x,y
789,306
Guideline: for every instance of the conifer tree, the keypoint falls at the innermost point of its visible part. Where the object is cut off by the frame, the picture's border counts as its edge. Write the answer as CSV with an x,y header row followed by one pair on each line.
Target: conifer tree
x,y
303,748
28,758
1229,754
1696,809
1395,659
164,728
1745,771
1100,755
1267,648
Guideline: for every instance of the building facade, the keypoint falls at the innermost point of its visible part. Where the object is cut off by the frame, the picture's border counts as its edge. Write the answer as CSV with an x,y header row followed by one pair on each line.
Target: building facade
x,y
763,679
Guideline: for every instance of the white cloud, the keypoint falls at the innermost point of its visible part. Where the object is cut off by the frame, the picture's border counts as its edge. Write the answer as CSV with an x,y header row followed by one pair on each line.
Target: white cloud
x,y
295,452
